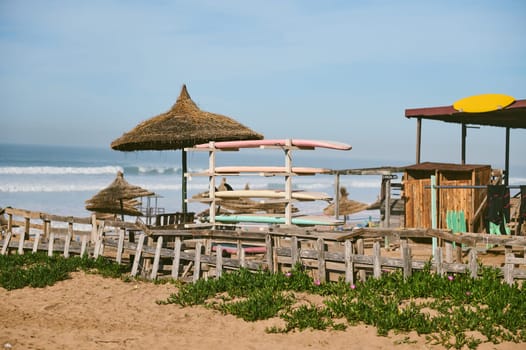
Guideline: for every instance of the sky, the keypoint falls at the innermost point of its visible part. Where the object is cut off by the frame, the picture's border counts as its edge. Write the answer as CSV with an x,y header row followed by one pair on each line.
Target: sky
x,y
84,72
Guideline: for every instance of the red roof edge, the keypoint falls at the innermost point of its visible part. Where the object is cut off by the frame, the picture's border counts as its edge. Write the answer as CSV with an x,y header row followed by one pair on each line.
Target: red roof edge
x,y
448,110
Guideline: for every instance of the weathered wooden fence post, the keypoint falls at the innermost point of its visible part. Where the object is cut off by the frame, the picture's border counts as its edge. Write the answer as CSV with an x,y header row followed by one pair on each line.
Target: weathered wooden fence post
x,y
438,260
138,253
219,261
349,262
294,251
157,258
269,250
67,239
197,261
361,251
120,244
473,264
23,235
407,260
177,257
322,273
377,260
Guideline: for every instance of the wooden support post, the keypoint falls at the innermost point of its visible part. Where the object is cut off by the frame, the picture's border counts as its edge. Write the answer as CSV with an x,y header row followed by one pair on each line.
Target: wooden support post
x,y
473,264
219,261
449,252
120,245
463,148
47,228
349,262
507,158
94,228
138,252
177,257
418,138
67,240
23,236
242,260
6,242
269,251
508,265
438,261
157,258
197,261
361,251
433,212
50,244
84,245
98,241
320,247
377,260
407,259
294,253
288,182
36,241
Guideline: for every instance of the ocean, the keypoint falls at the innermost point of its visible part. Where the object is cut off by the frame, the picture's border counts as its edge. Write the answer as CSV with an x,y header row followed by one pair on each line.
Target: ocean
x,y
59,179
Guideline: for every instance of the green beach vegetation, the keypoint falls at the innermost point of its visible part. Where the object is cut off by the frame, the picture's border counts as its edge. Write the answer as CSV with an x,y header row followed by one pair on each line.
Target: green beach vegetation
x,y
449,310
455,310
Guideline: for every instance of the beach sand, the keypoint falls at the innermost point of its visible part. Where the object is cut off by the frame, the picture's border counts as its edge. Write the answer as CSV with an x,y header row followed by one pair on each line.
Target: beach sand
x,y
92,312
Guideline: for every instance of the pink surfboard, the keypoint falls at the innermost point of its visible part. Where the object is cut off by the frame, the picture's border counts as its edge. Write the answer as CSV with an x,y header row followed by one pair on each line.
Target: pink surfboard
x,y
269,169
300,143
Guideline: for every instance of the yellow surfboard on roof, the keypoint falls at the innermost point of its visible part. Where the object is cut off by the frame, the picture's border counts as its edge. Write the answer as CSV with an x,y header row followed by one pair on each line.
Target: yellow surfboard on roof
x,y
483,103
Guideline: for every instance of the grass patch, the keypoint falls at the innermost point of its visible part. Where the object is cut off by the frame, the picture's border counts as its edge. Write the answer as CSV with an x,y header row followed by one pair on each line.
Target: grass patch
x,y
447,309
40,270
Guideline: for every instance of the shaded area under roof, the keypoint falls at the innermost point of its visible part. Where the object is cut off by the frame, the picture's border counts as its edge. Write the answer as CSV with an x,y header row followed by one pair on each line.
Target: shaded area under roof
x,y
513,116
510,117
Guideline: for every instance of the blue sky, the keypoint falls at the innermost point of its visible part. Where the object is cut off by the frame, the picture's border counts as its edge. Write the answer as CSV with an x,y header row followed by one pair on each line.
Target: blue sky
x,y
84,72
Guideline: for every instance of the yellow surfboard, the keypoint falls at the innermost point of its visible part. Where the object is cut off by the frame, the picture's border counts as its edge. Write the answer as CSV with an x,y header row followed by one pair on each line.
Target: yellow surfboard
x,y
483,103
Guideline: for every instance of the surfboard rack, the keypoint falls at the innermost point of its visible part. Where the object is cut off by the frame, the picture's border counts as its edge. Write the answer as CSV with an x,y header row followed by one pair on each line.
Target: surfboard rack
x,y
288,196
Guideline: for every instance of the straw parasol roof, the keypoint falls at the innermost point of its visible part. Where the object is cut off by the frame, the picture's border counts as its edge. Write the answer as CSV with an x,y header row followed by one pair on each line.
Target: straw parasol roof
x,y
346,206
118,198
184,125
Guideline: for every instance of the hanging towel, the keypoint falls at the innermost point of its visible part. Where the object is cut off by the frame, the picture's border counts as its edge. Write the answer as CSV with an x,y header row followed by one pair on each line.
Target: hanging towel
x,y
498,210
522,210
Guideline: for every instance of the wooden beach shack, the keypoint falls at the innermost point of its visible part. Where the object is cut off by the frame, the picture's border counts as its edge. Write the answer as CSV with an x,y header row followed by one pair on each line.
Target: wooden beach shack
x,y
460,187
461,191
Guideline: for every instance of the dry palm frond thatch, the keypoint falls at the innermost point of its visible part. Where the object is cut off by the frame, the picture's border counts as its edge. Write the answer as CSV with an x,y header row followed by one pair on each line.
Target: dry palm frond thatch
x,y
118,198
346,206
184,125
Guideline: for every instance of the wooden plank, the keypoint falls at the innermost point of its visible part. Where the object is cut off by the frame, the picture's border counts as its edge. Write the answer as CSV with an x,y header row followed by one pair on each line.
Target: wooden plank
x,y
120,245
157,258
84,244
294,250
35,242
6,242
377,262
138,253
50,244
320,247
219,261
177,257
197,261
349,262
67,240
269,252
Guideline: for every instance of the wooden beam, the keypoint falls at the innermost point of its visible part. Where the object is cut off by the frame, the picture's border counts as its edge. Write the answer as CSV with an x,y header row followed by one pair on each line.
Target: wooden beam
x,y
418,138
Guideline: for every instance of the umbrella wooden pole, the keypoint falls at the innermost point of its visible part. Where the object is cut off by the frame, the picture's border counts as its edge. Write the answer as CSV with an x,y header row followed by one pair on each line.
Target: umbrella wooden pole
x,y
122,210
183,186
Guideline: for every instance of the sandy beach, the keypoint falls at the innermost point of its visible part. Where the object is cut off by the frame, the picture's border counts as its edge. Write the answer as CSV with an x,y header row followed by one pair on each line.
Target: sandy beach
x,y
92,312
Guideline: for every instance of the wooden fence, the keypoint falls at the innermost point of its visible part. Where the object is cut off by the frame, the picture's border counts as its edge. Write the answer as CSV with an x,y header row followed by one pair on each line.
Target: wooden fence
x,y
191,254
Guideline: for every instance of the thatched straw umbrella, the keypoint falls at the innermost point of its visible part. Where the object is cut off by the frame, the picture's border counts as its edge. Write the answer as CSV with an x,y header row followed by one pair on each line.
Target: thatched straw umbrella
x,y
118,198
184,125
346,206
